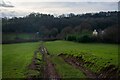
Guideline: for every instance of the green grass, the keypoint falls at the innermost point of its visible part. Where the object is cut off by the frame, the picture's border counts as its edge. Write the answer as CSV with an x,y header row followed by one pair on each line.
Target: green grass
x,y
12,36
66,70
106,51
102,55
16,58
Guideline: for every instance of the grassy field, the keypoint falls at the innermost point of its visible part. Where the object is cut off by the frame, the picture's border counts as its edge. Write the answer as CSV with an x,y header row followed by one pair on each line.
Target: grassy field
x,y
106,51
13,36
16,58
66,70
102,55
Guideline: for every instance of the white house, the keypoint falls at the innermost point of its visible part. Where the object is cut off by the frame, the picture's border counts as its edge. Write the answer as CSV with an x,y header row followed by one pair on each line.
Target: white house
x,y
95,33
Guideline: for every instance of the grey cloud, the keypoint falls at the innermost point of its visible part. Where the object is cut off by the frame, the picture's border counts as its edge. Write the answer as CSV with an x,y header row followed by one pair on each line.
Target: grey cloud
x,y
6,4
24,8
104,5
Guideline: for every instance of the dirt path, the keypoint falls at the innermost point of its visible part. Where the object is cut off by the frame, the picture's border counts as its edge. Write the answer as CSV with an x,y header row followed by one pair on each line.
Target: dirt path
x,y
75,63
49,68
41,69
34,69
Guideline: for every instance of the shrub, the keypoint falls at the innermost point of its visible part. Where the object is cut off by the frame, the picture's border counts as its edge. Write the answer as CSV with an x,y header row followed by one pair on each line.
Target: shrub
x,y
71,38
111,35
84,38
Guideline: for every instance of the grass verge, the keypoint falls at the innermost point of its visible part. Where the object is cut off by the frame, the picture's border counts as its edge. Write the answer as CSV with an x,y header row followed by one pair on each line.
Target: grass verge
x,y
16,57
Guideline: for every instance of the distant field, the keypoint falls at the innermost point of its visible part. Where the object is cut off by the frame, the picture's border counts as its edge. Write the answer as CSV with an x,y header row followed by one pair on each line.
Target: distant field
x,y
13,36
16,58
106,51
102,55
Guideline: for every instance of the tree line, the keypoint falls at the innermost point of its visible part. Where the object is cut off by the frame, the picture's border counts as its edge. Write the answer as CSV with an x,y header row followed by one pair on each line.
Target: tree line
x,y
69,27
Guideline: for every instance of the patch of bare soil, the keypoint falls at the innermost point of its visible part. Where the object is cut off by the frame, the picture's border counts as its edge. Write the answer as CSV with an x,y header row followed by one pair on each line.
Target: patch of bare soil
x,y
110,72
50,71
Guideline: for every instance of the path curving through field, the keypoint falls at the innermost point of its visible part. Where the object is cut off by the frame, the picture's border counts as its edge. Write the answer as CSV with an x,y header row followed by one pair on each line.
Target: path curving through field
x,y
49,67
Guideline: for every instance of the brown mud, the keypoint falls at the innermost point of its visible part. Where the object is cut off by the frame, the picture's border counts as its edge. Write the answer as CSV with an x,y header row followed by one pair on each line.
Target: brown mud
x,y
49,67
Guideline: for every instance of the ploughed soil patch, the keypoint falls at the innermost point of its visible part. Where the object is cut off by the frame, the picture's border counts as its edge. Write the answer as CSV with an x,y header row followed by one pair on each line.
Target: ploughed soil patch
x,y
110,72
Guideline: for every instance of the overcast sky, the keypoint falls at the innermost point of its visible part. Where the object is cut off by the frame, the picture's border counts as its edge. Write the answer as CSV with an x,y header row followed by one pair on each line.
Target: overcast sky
x,y
11,8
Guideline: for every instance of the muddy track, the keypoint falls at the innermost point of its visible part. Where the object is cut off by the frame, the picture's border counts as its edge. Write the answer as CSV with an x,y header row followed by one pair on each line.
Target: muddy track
x,y
34,69
49,67
72,61
44,70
